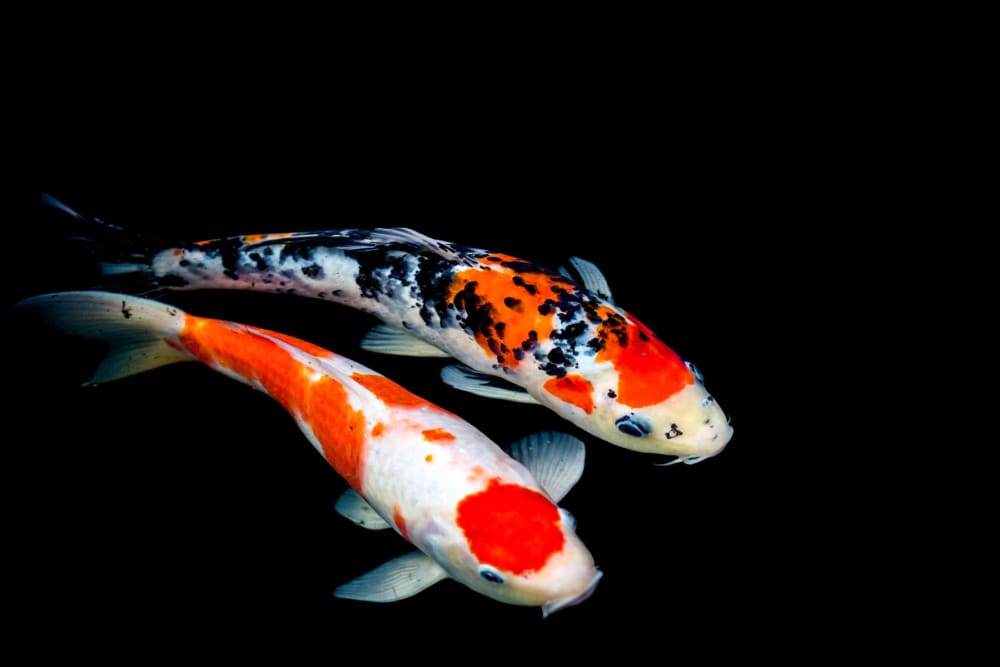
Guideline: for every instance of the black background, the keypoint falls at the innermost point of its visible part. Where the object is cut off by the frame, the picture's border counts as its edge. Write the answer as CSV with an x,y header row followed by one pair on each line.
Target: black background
x,y
183,490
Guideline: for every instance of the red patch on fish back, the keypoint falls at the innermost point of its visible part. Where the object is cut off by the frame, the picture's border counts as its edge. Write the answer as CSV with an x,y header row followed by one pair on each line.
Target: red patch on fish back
x,y
573,389
318,400
437,435
391,393
648,371
510,527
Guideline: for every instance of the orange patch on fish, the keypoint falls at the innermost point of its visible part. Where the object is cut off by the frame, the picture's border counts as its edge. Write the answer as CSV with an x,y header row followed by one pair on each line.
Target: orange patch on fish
x,y
507,305
510,527
391,393
429,458
573,389
377,429
308,348
317,400
397,518
437,435
648,371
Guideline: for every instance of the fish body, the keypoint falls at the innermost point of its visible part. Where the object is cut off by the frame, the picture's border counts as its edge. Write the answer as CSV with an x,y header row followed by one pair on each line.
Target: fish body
x,y
521,331
474,513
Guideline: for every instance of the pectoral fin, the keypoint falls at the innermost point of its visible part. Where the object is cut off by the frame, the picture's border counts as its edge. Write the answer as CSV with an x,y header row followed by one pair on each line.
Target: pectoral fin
x,y
555,459
352,506
396,579
590,276
385,339
481,384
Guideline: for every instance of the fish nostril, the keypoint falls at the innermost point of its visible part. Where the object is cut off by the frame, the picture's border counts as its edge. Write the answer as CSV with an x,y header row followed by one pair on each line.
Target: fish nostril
x,y
631,425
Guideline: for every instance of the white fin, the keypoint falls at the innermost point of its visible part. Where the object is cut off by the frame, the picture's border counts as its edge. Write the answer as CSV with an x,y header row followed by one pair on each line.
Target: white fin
x,y
553,458
352,506
396,579
480,384
591,277
386,339
415,238
135,329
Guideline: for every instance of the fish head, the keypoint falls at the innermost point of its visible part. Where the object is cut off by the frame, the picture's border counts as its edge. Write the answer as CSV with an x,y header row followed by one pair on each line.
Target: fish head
x,y
689,424
634,391
512,543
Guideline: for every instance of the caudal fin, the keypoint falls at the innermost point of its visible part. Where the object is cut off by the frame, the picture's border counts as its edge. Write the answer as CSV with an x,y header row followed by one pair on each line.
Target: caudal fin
x,y
122,257
136,329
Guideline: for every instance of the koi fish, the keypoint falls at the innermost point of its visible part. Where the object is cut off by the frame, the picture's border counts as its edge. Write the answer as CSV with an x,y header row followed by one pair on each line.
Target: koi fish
x,y
476,514
522,332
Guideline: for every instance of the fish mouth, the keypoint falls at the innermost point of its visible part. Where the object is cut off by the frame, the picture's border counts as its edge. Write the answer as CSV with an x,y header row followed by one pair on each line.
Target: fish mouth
x,y
556,605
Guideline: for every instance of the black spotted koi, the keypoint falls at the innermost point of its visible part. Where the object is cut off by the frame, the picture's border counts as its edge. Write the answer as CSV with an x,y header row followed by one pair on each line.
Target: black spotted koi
x,y
554,341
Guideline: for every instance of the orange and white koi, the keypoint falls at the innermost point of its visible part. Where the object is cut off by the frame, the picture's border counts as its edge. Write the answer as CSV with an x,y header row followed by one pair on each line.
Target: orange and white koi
x,y
554,341
475,513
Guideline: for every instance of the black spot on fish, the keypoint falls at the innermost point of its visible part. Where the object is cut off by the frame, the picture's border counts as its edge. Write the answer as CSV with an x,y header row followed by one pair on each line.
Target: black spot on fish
x,y
612,394
529,288
184,262
314,271
126,312
571,332
231,274
557,356
518,353
511,302
554,370
642,336
674,432
500,328
173,280
259,261
596,344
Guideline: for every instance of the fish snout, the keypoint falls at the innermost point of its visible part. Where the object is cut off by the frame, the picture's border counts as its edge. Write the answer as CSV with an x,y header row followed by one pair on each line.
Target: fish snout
x,y
576,598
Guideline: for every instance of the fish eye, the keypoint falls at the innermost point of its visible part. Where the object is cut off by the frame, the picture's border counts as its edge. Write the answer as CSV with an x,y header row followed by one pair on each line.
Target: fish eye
x,y
695,371
632,425
568,519
490,574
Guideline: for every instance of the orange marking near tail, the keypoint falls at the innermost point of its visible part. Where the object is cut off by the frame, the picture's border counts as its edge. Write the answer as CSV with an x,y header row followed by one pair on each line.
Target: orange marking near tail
x,y
510,527
318,400
574,389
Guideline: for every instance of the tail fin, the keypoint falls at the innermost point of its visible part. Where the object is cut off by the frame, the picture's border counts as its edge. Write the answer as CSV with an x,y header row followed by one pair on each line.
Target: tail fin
x,y
136,329
123,257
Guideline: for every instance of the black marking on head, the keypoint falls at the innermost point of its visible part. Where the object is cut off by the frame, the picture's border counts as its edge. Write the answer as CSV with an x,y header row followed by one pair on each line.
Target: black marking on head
x,y
612,393
511,302
633,426
674,432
